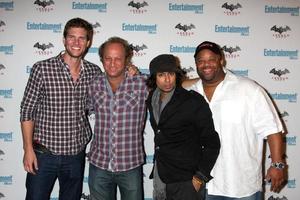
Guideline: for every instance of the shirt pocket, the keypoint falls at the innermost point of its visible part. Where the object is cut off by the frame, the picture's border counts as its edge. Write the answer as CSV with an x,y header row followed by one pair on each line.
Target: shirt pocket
x,y
129,99
99,99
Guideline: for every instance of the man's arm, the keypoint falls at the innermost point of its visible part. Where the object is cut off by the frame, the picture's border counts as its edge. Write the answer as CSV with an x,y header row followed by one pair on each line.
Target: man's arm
x,y
29,159
275,175
187,83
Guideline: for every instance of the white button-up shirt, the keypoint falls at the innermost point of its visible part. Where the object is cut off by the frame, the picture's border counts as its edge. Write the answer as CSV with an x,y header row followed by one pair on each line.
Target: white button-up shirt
x,y
243,116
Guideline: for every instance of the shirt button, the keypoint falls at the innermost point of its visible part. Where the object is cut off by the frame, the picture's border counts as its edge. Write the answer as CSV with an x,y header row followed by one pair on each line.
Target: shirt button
x,y
157,148
158,131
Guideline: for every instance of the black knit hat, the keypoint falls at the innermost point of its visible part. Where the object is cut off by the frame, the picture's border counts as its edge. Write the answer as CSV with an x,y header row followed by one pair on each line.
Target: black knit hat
x,y
208,45
164,63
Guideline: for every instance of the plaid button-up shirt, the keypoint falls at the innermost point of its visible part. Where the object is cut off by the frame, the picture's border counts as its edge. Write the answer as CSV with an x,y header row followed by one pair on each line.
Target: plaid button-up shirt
x,y
117,143
58,106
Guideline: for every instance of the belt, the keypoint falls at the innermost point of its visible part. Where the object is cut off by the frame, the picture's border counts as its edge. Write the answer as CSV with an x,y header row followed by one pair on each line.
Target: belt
x,y
40,148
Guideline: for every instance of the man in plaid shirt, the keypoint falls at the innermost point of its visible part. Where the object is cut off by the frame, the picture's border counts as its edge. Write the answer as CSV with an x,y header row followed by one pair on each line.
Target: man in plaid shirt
x,y
118,101
54,123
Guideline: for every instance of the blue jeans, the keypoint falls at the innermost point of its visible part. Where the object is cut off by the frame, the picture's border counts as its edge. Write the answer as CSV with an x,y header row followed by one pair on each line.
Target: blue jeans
x,y
68,170
255,196
103,184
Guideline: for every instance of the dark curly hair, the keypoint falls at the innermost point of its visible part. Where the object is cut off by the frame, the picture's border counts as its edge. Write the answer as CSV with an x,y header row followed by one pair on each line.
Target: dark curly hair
x,y
151,81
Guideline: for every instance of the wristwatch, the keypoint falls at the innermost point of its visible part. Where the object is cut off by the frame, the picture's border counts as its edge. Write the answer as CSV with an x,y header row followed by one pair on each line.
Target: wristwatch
x,y
278,165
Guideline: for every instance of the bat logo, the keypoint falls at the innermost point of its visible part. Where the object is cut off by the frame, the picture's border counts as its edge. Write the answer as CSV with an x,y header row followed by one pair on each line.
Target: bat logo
x,y
96,25
2,67
137,5
284,114
185,27
44,3
138,48
1,195
279,72
280,29
189,69
231,7
2,23
277,198
231,50
43,46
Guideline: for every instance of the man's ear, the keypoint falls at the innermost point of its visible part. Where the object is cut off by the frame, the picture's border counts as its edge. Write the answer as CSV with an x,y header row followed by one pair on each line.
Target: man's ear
x,y
223,61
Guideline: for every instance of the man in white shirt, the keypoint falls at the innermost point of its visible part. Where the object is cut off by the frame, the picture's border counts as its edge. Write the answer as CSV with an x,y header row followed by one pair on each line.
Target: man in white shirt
x,y
243,116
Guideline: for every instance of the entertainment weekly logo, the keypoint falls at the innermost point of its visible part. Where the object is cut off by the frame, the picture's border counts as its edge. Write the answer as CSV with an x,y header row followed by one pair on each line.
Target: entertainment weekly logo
x,y
6,137
7,5
138,7
175,48
44,5
185,29
231,9
100,7
6,180
290,97
291,54
6,93
241,72
149,159
290,140
185,7
148,28
293,11
7,49
93,50
42,26
242,30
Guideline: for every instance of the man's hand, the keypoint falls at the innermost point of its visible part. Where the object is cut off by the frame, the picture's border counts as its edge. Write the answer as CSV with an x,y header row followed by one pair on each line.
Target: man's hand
x,y
30,162
197,183
276,177
133,70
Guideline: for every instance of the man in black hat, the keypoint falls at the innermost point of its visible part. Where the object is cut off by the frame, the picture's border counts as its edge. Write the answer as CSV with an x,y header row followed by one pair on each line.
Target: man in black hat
x,y
186,143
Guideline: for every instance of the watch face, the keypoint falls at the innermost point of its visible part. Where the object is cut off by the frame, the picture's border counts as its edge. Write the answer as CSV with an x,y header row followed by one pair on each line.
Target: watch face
x,y
280,165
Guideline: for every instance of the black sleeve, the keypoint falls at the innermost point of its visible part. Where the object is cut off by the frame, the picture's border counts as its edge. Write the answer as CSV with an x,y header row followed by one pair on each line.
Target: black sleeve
x,y
208,139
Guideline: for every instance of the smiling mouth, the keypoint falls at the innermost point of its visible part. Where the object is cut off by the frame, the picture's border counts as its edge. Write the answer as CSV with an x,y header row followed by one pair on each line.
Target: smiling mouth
x,y
76,48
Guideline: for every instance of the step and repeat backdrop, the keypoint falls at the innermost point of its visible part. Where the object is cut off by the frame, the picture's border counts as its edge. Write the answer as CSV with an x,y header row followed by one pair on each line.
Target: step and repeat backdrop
x,y
260,39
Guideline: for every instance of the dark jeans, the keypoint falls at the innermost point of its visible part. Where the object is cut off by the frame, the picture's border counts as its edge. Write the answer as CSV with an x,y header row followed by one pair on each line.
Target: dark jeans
x,y
68,170
184,190
103,184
